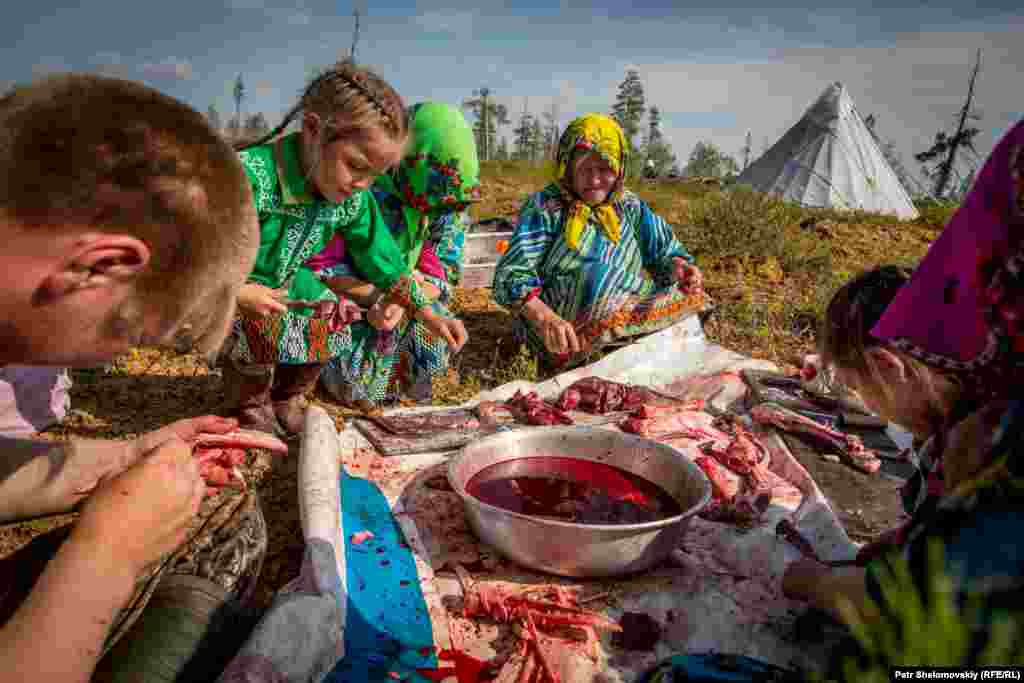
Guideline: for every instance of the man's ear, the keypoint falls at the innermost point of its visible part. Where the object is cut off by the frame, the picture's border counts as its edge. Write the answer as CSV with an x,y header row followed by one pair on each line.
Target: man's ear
x,y
891,365
98,260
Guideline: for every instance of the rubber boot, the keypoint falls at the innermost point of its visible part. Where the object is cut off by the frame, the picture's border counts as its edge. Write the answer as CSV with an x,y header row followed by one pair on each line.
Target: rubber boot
x,y
288,396
202,609
247,392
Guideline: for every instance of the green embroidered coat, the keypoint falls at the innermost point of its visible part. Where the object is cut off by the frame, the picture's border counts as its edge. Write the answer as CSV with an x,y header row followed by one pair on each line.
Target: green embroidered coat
x,y
295,225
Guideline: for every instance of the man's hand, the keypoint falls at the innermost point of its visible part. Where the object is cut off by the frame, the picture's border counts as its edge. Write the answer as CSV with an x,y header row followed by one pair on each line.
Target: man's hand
x,y
144,512
259,300
184,430
450,329
688,276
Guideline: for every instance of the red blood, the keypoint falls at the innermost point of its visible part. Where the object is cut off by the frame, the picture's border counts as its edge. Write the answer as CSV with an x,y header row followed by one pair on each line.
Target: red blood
x,y
577,490
467,669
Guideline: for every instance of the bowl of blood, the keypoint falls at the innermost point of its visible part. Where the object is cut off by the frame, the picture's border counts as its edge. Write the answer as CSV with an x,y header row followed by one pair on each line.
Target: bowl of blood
x,y
578,501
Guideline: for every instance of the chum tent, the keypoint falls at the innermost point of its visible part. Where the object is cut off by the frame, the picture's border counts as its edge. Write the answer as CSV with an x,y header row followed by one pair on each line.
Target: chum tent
x,y
830,159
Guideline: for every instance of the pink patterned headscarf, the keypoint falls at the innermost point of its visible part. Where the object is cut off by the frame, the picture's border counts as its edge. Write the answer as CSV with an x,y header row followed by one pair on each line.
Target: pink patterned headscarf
x,y
963,309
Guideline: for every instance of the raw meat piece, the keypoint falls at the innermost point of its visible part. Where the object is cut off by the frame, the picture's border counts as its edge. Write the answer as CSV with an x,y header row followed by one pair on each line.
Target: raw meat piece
x,y
649,410
494,413
241,438
360,536
221,455
558,607
849,447
745,456
682,423
570,399
532,409
711,468
599,396
427,423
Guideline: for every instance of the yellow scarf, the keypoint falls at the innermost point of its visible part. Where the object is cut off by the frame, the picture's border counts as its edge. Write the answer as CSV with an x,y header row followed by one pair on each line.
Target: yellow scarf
x,y
603,135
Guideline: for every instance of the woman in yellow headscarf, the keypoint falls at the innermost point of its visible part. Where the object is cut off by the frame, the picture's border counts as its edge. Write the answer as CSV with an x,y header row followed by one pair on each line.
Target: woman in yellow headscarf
x,y
589,264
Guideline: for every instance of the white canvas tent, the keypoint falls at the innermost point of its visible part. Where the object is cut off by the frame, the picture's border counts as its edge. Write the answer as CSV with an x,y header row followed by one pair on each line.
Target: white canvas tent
x,y
830,159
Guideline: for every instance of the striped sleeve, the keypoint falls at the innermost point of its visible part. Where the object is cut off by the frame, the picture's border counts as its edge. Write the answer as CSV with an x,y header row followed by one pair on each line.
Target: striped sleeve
x,y
517,273
658,244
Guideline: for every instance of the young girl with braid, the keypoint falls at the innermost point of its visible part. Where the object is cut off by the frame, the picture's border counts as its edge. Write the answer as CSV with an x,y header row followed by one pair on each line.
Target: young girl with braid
x,y
308,187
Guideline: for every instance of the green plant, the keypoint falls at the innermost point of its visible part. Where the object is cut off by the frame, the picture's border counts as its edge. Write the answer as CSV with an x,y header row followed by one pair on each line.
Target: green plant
x,y
927,628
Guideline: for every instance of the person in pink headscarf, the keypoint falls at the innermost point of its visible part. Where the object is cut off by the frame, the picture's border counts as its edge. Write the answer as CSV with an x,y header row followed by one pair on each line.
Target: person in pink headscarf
x,y
960,316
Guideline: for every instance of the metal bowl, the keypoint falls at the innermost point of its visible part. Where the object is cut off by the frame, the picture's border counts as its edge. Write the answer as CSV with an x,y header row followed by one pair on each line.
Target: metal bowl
x,y
581,550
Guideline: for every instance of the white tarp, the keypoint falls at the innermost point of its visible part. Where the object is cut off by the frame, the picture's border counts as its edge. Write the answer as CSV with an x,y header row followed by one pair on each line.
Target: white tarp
x,y
721,592
829,158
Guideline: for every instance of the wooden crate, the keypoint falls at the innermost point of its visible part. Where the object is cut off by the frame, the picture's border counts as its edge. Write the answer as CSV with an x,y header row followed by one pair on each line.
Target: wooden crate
x,y
480,258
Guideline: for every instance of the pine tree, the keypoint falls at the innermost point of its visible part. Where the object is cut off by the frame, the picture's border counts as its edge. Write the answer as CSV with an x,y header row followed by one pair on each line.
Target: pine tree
x,y
629,112
655,148
551,131
213,116
256,125
523,133
239,95
502,153
747,149
538,140
654,125
705,161
488,117
629,104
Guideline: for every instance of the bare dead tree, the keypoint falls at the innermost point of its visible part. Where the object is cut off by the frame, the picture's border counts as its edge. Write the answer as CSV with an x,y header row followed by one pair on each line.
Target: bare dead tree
x,y
947,146
355,36
747,148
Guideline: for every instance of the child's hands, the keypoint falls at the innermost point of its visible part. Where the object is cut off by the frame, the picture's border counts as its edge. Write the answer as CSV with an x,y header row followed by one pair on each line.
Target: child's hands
x,y
260,300
384,316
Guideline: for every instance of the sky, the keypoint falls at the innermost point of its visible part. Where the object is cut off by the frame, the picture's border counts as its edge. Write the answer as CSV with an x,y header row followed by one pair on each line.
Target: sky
x,y
715,72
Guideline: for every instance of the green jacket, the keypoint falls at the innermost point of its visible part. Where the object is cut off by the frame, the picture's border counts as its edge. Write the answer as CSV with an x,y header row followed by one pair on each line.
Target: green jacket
x,y
295,225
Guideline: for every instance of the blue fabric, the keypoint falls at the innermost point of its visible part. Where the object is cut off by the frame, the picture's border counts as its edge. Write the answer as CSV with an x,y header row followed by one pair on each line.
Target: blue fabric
x,y
387,624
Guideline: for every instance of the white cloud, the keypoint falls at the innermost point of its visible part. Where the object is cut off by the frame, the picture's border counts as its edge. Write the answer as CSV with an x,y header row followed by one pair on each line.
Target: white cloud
x,y
446,21
169,69
914,85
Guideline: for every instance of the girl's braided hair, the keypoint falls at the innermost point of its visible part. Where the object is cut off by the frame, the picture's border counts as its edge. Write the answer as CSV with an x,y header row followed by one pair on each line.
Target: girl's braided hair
x,y
348,97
